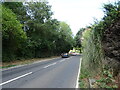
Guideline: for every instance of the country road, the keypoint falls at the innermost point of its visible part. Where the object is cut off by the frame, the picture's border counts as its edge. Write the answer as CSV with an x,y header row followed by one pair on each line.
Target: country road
x,y
56,73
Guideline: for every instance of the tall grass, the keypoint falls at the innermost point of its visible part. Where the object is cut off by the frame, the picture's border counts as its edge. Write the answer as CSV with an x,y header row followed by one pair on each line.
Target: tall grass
x,y
92,54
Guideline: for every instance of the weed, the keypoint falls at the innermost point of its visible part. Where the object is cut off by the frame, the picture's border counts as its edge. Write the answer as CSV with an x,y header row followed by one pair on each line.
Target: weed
x,y
81,84
8,66
106,80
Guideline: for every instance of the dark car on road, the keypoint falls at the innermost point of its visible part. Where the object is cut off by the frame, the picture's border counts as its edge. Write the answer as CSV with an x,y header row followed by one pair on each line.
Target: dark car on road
x,y
65,55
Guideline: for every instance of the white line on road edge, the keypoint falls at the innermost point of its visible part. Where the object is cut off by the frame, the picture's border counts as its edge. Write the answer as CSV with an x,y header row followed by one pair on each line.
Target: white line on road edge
x,y
15,78
49,65
77,83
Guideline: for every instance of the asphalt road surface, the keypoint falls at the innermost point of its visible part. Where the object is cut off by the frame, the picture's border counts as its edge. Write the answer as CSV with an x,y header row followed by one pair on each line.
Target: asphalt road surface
x,y
56,73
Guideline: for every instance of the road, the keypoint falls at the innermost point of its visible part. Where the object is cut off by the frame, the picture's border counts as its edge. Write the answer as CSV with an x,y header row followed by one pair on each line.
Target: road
x,y
56,73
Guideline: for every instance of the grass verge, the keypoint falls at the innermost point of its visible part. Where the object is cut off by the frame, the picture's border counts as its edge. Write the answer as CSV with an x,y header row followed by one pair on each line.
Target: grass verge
x,y
102,79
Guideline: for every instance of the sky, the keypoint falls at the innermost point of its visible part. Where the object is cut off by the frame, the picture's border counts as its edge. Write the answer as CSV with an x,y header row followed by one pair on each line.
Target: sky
x,y
78,13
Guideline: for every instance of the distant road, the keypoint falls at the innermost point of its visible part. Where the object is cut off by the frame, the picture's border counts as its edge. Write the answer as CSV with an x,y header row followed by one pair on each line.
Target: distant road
x,y
56,73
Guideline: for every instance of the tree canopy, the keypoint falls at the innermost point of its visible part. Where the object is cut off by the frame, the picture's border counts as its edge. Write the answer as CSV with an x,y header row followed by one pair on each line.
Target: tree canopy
x,y
29,31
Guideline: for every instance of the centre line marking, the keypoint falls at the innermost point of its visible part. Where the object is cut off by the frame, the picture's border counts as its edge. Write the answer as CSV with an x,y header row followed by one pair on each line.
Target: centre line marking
x,y
15,78
62,60
68,58
49,65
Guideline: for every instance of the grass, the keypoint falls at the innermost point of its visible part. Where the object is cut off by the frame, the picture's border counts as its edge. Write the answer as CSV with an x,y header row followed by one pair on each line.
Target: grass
x,y
84,75
92,64
7,66
104,79
23,62
83,81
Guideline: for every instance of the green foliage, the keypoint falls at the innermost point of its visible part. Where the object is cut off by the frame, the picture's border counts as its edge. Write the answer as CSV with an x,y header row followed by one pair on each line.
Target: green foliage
x,y
39,36
65,35
82,84
93,36
106,81
84,75
92,49
12,34
78,38
112,14
40,12
19,9
7,66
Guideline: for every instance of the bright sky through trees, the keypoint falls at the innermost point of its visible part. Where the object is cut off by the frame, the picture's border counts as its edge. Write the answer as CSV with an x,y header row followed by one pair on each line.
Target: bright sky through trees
x,y
78,13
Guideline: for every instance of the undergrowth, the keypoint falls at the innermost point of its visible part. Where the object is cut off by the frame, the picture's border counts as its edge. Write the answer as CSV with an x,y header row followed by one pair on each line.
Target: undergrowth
x,y
94,52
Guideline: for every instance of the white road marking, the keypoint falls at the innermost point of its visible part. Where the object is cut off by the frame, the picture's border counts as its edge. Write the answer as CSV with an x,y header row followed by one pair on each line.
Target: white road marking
x,y
15,78
62,60
68,58
49,65
28,64
77,82
65,59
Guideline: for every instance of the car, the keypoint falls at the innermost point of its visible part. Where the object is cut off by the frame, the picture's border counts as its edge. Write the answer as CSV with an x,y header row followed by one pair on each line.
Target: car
x,y
65,55
73,54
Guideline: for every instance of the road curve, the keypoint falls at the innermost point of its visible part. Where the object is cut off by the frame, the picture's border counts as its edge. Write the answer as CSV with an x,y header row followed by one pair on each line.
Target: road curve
x,y
56,73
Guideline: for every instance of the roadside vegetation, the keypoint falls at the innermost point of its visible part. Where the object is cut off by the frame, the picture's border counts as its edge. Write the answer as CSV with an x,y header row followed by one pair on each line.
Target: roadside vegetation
x,y
25,62
100,45
29,31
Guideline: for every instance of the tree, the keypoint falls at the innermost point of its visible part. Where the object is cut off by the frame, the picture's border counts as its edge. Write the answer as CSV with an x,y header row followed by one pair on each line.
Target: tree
x,y
65,36
78,38
19,9
41,36
12,34
41,27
